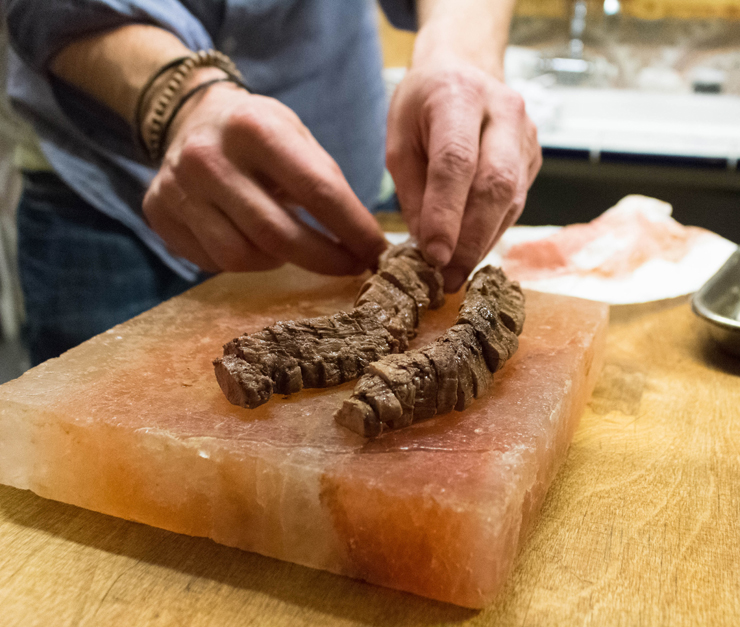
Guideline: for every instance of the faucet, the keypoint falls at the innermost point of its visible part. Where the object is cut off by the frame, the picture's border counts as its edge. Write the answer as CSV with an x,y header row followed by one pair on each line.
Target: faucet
x,y
577,27
572,68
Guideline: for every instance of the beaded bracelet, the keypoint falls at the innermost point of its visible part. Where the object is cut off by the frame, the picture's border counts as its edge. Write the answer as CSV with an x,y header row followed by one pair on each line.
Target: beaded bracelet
x,y
138,111
151,132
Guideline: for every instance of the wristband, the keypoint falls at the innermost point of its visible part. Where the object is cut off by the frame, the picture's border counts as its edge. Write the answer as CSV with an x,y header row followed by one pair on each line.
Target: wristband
x,y
138,112
150,131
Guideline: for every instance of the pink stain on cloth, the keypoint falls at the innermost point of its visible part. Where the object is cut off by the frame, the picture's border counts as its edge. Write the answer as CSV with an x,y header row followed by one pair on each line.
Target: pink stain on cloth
x,y
634,252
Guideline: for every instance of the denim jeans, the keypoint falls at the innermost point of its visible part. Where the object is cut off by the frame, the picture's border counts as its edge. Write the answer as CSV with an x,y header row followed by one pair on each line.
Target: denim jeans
x,y
81,271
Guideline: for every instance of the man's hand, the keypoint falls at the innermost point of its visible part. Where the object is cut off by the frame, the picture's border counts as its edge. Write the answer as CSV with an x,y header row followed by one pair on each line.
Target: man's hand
x,y
236,166
460,147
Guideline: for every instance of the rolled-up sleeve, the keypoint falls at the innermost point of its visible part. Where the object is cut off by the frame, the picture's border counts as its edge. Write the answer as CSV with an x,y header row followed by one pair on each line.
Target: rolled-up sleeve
x,y
38,29
401,13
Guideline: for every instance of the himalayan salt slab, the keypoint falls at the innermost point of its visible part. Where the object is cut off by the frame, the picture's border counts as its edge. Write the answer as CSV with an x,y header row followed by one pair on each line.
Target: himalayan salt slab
x,y
133,424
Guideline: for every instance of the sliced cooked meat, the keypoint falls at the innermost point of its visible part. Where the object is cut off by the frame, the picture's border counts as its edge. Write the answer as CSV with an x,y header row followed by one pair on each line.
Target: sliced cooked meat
x,y
424,379
442,354
428,274
359,417
329,350
398,381
243,383
317,352
474,377
496,340
402,307
398,271
491,281
448,373
380,397
413,380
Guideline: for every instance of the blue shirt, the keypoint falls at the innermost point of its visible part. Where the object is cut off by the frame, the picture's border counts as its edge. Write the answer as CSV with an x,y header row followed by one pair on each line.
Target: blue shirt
x,y
319,57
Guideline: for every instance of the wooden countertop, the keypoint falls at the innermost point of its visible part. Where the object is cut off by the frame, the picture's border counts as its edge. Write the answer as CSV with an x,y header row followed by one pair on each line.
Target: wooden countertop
x,y
639,528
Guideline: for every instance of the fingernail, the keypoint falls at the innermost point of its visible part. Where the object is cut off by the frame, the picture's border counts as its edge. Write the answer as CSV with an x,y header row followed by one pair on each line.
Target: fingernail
x,y
438,252
454,279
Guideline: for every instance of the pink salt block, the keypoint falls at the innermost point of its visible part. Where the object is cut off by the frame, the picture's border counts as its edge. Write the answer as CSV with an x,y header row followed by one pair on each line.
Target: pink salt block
x,y
635,231
133,424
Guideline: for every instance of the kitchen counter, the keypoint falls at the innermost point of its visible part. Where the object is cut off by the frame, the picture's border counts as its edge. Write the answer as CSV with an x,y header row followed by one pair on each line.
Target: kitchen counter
x,y
640,526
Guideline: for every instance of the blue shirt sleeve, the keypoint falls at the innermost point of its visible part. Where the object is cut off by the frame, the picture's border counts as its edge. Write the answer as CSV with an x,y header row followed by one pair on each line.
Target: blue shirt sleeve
x,y
38,29
401,13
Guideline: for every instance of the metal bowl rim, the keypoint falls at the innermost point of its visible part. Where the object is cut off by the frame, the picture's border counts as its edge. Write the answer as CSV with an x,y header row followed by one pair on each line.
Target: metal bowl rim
x,y
701,309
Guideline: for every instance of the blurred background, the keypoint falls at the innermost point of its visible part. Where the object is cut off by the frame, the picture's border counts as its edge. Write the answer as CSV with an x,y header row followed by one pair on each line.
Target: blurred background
x,y
13,135
629,96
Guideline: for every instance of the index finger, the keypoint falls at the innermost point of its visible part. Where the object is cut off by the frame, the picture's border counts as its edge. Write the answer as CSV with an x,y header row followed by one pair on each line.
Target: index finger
x,y
453,147
314,181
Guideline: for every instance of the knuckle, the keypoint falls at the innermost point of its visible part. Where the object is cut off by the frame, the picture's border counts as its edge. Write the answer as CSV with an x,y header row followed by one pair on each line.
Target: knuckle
x,y
168,187
475,245
494,187
261,121
538,159
243,119
455,158
517,206
515,103
533,133
483,189
504,184
321,188
267,235
148,205
467,83
197,158
393,158
336,174
156,197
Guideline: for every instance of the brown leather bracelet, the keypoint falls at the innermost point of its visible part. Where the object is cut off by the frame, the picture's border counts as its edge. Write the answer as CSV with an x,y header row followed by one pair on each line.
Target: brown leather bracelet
x,y
138,111
150,131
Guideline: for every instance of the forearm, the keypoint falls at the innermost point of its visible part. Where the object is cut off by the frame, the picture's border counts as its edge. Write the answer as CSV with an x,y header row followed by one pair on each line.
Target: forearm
x,y
476,31
113,67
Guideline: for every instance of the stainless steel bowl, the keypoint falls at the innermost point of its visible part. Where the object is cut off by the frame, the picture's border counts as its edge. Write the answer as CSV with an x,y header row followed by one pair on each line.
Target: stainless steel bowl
x,y
717,303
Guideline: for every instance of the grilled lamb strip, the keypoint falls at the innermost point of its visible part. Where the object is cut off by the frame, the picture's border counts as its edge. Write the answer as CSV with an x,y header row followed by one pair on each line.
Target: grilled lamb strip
x,y
316,352
401,307
447,374
329,350
428,274
491,281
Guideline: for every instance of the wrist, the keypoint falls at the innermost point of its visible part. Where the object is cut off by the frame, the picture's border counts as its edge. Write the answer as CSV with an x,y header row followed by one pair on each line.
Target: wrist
x,y
172,87
209,98
439,44
471,32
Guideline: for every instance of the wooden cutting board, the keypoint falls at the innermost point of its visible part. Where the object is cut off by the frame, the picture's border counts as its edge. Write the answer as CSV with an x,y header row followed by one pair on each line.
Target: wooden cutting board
x,y
640,526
